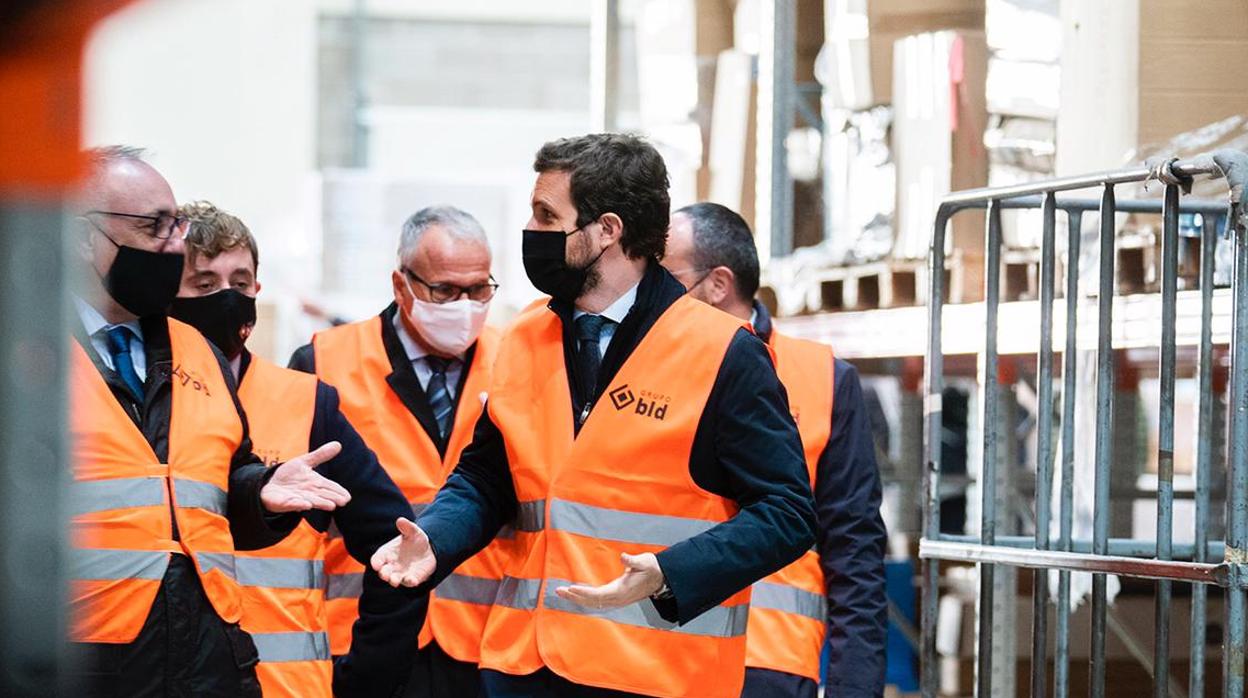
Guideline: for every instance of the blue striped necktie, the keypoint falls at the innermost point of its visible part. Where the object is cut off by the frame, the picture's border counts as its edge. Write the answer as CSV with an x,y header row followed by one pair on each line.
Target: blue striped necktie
x,y
439,396
119,349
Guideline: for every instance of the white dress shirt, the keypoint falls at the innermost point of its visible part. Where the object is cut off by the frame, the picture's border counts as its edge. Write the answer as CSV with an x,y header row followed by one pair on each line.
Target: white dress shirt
x,y
97,329
616,312
416,354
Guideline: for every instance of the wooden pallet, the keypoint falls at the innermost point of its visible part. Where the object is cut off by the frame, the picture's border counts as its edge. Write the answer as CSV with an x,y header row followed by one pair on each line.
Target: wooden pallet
x,y
886,284
1136,266
1020,275
897,283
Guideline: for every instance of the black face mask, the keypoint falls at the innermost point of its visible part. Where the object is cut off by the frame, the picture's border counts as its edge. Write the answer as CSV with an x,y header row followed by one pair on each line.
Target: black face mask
x,y
219,316
545,262
143,282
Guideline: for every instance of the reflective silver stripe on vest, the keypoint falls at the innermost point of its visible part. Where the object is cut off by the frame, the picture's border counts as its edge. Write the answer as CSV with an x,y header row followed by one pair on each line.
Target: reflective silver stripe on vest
x,y
192,494
90,496
530,518
292,646
224,562
462,587
345,586
517,593
781,597
720,621
280,573
623,526
97,564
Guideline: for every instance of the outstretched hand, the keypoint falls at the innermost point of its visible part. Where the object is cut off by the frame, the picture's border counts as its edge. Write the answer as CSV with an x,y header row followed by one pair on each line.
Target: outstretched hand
x,y
641,579
296,486
407,559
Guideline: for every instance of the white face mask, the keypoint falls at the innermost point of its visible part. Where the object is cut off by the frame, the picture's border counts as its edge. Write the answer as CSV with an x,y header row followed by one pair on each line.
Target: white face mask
x,y
450,328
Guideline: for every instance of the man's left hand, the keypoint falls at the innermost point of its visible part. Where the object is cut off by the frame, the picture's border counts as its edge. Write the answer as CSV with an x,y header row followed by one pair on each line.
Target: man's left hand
x,y
296,486
642,578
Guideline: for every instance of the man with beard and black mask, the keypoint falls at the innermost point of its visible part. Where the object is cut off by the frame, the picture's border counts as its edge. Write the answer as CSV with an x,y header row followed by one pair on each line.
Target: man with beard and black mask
x,y
283,587
640,444
159,504
412,380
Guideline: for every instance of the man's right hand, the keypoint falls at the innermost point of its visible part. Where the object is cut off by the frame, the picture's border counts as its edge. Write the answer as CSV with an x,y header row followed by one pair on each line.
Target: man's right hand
x,y
407,560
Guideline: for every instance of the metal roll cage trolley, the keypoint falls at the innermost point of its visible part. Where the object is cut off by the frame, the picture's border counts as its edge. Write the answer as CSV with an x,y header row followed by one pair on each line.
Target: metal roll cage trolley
x,y
1157,559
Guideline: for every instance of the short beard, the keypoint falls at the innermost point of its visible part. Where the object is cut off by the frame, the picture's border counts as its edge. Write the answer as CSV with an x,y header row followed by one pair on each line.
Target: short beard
x,y
593,277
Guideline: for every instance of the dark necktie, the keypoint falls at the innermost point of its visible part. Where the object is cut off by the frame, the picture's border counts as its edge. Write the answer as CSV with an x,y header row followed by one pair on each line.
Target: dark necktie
x,y
439,396
588,354
123,364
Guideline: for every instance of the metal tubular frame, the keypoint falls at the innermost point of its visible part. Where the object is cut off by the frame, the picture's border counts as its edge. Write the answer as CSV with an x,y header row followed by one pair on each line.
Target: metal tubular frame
x,y
1158,559
1165,437
1204,455
1061,660
987,477
1104,438
1044,443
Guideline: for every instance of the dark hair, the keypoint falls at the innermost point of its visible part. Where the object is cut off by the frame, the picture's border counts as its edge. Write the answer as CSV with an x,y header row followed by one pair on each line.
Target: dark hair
x,y
722,238
620,174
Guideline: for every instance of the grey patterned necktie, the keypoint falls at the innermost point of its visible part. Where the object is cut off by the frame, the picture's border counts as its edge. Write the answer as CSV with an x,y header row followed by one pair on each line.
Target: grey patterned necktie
x,y
439,396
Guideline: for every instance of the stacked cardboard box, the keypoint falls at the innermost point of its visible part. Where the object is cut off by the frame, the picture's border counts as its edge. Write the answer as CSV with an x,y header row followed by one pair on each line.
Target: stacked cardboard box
x,y
1139,72
859,35
872,190
938,90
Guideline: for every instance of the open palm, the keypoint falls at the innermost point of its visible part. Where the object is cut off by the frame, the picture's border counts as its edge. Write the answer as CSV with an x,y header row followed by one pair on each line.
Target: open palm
x,y
296,486
407,560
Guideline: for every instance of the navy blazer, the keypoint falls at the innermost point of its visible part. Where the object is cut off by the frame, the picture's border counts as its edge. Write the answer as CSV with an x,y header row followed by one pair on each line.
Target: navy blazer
x,y
746,448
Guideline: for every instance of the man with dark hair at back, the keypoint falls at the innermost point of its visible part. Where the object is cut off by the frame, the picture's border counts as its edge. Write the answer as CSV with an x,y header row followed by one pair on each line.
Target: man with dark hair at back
x,y
641,446
711,250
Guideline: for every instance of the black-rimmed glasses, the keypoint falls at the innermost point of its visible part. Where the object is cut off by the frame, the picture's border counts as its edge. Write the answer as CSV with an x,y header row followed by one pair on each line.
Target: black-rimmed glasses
x,y
445,293
161,226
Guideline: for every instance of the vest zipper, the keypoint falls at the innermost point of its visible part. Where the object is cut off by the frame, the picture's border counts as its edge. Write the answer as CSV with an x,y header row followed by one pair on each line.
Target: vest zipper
x,y
584,414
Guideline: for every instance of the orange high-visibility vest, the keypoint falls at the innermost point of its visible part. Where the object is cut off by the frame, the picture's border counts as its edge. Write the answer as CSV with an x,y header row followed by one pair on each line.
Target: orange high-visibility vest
x,y
621,486
788,611
284,585
353,359
123,497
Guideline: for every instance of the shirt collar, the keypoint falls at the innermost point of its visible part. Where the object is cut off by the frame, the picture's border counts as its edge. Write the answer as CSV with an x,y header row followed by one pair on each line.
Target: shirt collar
x,y
93,321
617,311
411,347
761,320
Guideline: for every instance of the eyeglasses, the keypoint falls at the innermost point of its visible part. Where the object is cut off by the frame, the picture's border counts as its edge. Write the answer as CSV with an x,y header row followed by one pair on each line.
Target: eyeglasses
x,y
445,293
161,226
691,270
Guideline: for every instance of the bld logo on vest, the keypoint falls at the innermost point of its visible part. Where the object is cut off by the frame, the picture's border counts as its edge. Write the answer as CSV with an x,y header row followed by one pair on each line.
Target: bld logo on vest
x,y
650,404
